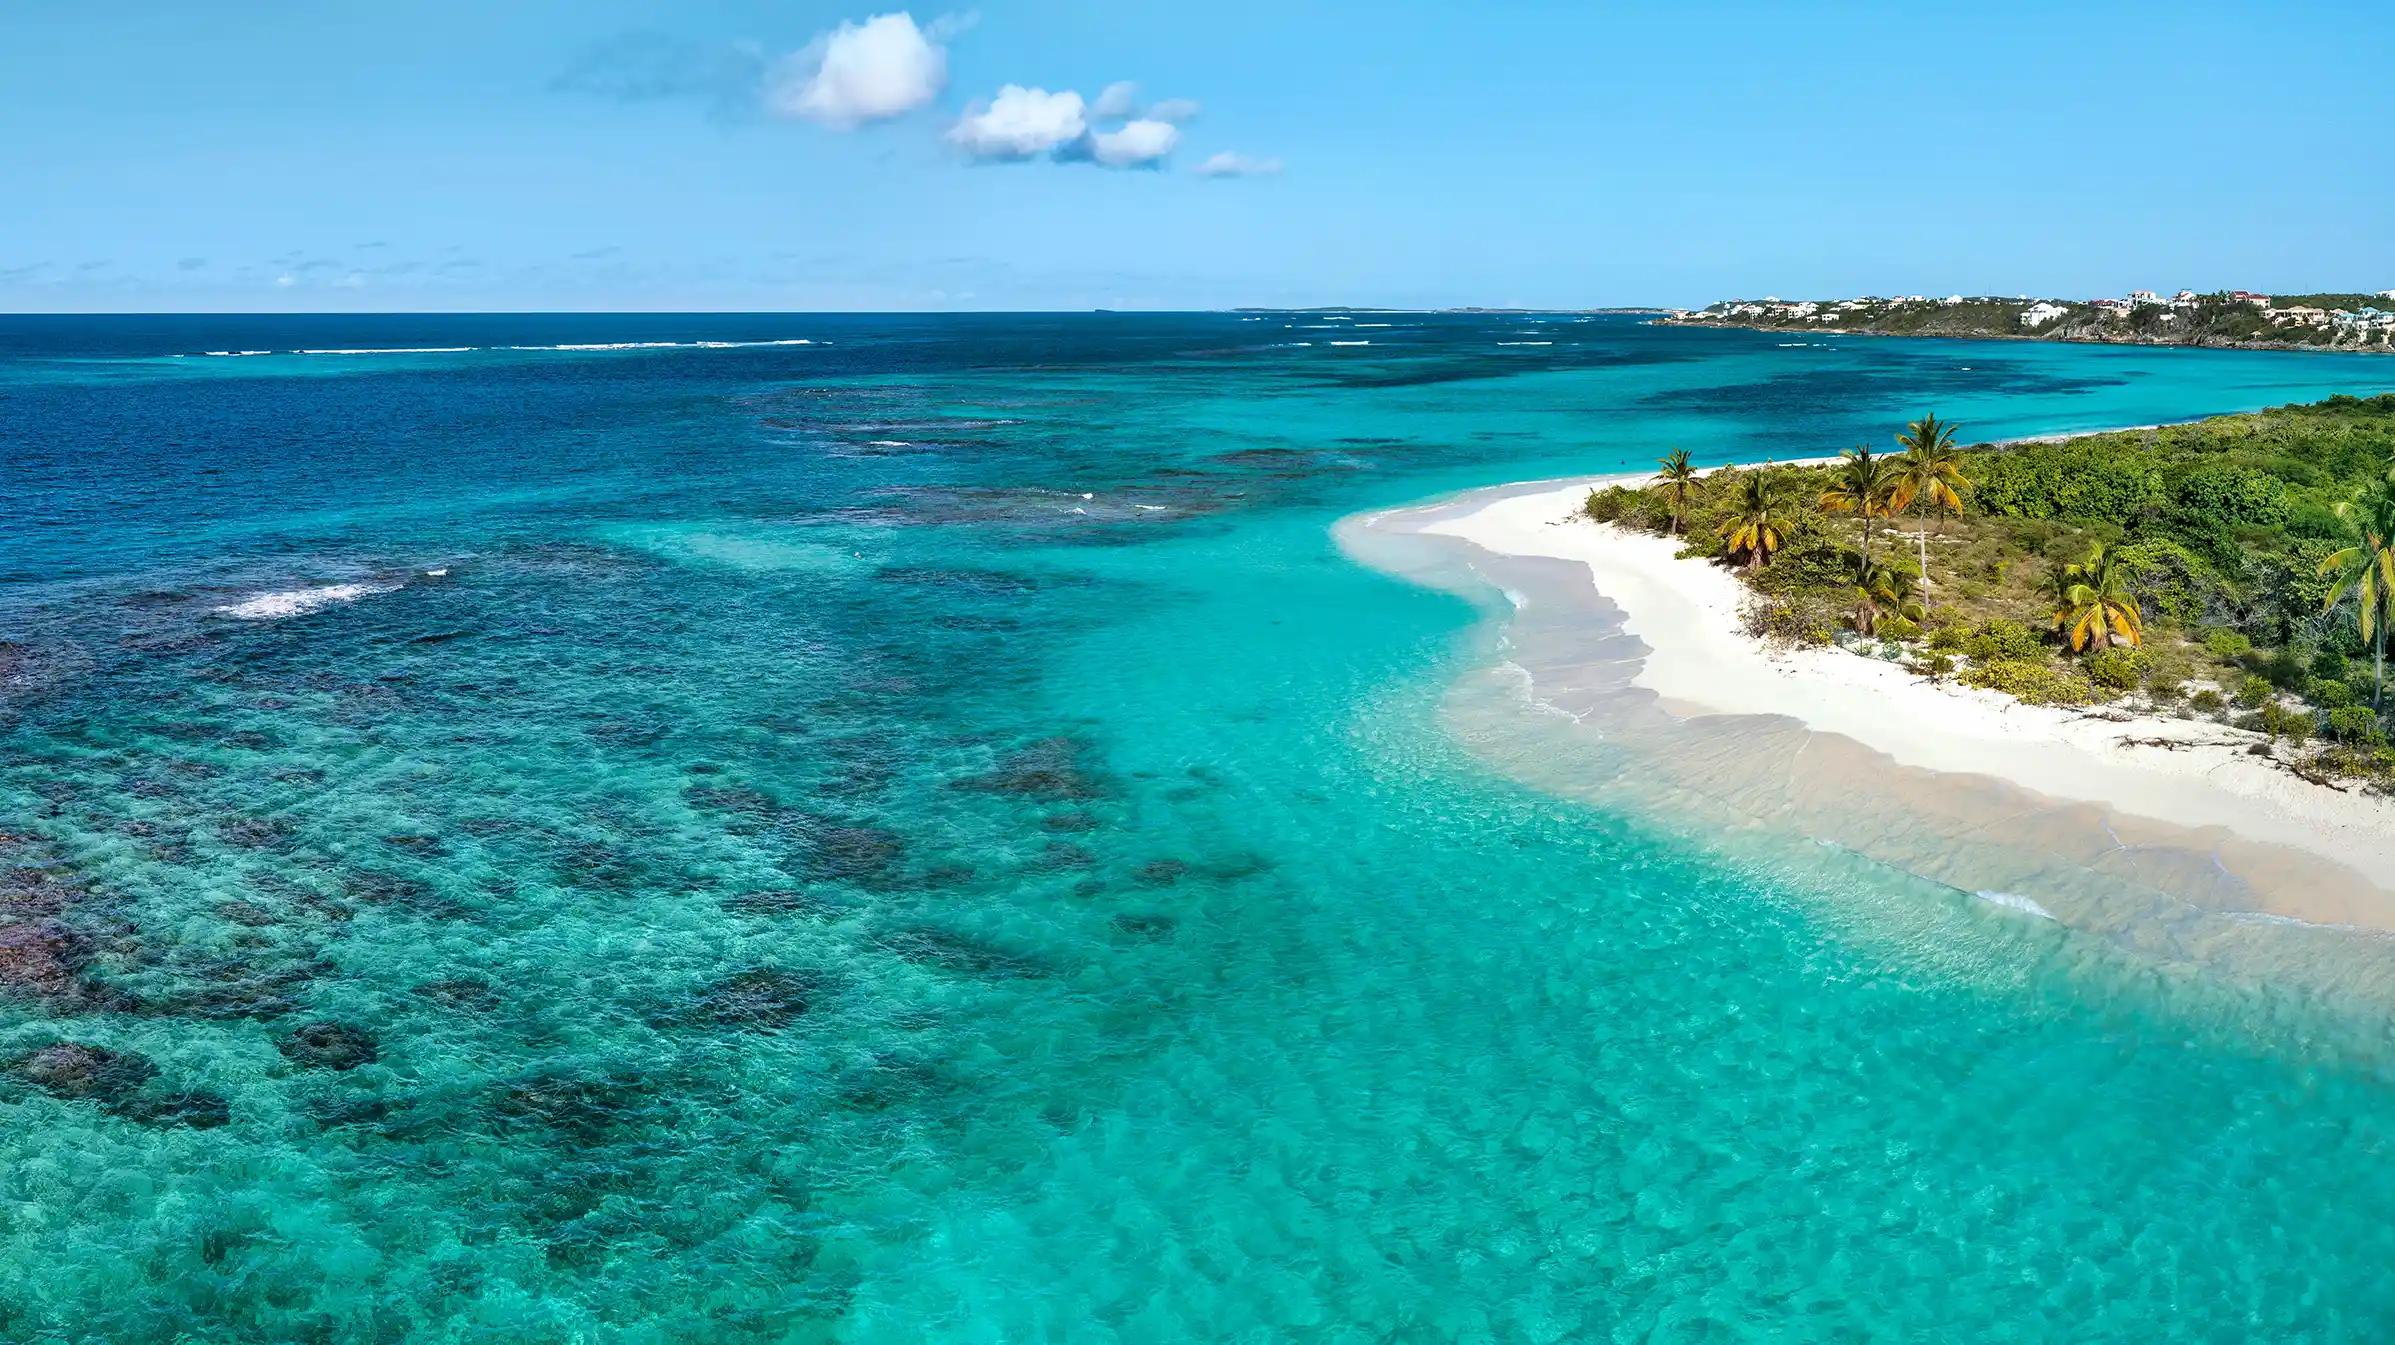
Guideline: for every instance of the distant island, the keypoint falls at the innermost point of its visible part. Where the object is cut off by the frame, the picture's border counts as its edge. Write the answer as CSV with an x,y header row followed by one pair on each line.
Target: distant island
x,y
2231,318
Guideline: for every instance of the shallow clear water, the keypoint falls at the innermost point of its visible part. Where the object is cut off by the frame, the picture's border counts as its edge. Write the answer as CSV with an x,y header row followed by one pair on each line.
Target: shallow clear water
x,y
922,835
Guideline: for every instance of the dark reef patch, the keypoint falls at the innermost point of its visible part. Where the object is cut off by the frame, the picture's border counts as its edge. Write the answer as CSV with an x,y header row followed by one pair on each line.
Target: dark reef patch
x,y
328,1045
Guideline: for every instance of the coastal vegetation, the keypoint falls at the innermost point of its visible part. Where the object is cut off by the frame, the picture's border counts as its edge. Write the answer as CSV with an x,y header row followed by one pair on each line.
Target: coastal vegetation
x,y
2240,568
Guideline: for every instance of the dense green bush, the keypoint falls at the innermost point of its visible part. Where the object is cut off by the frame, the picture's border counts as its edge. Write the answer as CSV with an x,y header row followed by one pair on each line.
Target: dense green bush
x,y
1949,639
2076,480
2205,701
2035,682
2356,724
2227,643
2116,669
2330,694
2240,497
2254,690
2280,722
2001,639
1897,628
1798,620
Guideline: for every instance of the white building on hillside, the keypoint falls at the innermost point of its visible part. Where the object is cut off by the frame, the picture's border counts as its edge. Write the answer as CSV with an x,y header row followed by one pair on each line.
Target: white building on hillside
x,y
2040,313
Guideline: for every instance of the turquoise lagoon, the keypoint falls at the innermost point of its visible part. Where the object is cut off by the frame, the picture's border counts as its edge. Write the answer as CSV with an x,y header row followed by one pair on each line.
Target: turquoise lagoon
x,y
629,829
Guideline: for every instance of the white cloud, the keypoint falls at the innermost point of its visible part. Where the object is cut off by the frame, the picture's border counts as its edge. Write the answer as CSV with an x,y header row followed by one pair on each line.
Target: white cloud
x,y
1119,99
1021,123
285,281
862,72
1139,144
1227,164
1174,110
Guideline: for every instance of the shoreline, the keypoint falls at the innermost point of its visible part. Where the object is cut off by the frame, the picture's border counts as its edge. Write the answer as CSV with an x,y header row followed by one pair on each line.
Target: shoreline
x,y
2280,347
2175,806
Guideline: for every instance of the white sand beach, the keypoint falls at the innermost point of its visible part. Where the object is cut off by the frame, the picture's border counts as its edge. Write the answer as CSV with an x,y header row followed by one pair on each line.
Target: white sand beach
x,y
2186,773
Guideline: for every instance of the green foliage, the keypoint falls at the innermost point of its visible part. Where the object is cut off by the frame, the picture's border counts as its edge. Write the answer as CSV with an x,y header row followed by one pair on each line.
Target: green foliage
x,y
1949,639
2280,722
2172,580
2356,724
2206,701
2077,480
2227,644
2032,682
1810,562
2330,665
2239,496
1936,667
2116,669
2254,690
2001,639
2330,694
1897,627
1805,620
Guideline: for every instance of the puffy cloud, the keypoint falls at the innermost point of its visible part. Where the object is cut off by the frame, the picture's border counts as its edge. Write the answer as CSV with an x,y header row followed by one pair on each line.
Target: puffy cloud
x,y
862,72
1173,110
1020,124
1119,99
1227,164
1139,144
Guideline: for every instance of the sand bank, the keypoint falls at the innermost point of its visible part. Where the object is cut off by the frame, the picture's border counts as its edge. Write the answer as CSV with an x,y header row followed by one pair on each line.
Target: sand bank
x,y
2188,789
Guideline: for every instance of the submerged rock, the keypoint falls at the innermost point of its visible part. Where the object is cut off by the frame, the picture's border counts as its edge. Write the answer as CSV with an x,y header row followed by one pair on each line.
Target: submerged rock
x,y
460,992
325,1045
1161,872
43,960
761,1000
1047,769
195,1108
854,853
1146,926
78,1072
781,901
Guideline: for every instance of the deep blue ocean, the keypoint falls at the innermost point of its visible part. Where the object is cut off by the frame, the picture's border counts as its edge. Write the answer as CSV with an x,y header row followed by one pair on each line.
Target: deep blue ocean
x,y
605,828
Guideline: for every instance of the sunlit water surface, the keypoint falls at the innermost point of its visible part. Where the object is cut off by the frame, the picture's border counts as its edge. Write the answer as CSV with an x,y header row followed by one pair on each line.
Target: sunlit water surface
x,y
639,829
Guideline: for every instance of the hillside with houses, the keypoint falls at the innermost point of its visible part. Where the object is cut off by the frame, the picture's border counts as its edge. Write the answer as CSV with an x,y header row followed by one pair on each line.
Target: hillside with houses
x,y
2141,317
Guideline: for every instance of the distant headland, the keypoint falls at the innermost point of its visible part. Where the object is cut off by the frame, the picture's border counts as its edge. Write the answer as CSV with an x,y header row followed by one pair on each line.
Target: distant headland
x,y
2231,318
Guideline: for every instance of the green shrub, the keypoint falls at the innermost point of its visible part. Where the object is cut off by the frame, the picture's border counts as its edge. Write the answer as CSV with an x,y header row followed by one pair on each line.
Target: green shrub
x,y
1937,667
2254,690
2227,644
1949,639
1799,620
2004,640
2279,722
2116,669
1897,628
2032,682
2329,665
2286,670
2206,701
2167,692
2355,724
2332,695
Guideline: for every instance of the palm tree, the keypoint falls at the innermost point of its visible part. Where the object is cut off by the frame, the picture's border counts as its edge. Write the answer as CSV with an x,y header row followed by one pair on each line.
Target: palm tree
x,y
1863,483
1880,589
1929,474
2093,606
1677,476
1759,525
2366,569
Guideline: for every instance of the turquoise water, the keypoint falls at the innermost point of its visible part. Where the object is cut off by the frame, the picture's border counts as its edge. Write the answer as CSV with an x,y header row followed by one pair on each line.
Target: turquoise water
x,y
922,836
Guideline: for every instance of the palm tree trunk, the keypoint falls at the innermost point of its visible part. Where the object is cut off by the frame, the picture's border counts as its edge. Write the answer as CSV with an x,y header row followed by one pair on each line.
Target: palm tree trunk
x,y
1924,522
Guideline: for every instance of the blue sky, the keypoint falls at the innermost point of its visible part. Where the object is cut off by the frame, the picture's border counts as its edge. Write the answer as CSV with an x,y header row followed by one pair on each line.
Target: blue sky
x,y
738,154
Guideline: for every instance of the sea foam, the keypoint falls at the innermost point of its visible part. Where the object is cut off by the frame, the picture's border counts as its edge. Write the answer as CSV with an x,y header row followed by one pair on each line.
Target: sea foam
x,y
291,602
